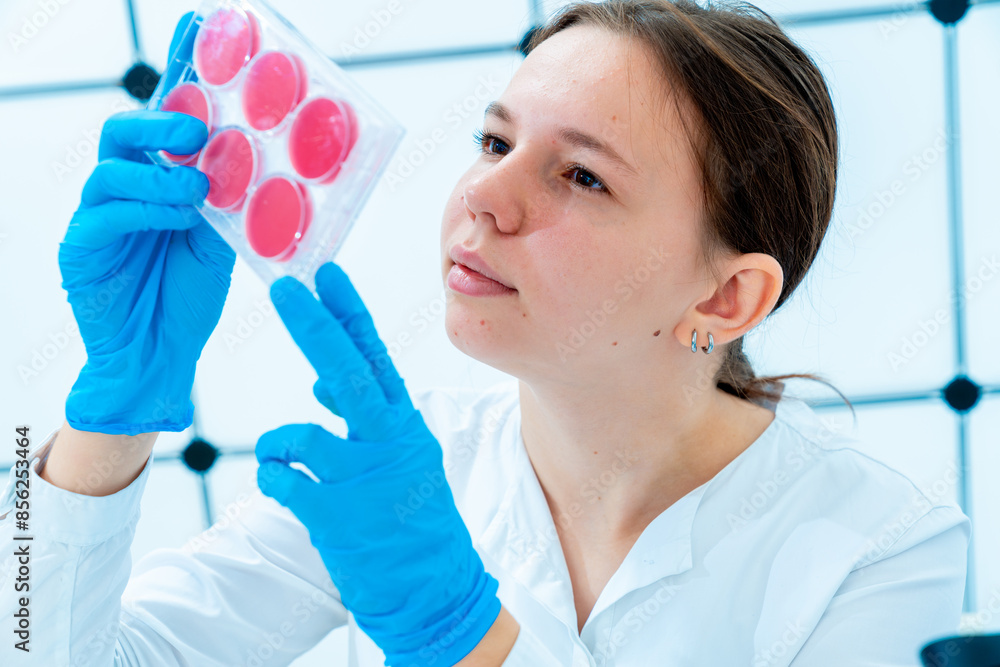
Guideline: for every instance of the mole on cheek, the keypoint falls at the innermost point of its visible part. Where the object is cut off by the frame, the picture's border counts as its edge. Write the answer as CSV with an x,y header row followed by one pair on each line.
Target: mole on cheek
x,y
657,332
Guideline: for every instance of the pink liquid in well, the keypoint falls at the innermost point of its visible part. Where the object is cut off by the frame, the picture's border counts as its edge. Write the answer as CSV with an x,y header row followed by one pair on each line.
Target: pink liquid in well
x,y
322,135
275,82
230,161
278,214
188,98
226,41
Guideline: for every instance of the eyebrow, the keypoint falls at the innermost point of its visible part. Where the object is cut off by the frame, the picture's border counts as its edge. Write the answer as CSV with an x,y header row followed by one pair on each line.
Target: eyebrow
x,y
569,135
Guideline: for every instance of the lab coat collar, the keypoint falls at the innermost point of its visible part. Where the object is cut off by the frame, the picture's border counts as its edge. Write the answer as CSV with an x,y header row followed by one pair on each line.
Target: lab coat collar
x,y
522,538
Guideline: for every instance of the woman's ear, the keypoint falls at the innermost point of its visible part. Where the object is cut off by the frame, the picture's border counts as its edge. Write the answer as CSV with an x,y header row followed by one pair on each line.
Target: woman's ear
x,y
752,286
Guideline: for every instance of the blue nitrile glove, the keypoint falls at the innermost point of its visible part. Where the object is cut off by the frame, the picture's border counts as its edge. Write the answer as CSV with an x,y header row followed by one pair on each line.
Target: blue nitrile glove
x,y
145,274
411,577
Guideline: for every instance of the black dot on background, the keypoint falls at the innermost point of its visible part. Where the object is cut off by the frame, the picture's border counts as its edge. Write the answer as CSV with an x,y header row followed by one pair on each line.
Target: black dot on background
x,y
962,394
200,455
140,81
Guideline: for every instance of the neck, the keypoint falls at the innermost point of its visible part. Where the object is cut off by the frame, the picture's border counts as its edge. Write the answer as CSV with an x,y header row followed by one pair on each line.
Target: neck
x,y
610,459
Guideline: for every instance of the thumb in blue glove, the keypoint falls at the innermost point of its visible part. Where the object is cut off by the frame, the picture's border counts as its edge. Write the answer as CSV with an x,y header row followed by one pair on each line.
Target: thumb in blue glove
x,y
412,579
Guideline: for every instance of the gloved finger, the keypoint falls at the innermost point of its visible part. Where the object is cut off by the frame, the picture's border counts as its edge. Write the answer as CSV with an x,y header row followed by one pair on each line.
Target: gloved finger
x,y
118,178
292,488
325,399
181,47
339,296
341,367
128,133
97,227
330,458
187,45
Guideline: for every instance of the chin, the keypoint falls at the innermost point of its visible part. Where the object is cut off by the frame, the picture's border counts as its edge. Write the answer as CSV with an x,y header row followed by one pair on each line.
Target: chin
x,y
482,342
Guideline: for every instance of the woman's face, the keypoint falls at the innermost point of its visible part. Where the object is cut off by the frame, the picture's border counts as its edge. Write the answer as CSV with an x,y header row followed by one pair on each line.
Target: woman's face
x,y
600,252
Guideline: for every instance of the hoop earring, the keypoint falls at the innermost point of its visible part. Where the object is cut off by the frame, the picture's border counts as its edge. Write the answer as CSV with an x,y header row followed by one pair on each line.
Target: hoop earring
x,y
694,342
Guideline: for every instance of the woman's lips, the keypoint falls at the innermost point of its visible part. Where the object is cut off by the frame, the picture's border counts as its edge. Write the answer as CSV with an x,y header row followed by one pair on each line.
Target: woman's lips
x,y
466,281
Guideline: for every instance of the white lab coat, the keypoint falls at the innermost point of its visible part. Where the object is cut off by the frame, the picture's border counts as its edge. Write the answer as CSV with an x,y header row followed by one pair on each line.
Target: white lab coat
x,y
803,551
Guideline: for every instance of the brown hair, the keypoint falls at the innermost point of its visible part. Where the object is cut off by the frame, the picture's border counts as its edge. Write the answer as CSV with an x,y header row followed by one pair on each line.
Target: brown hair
x,y
766,143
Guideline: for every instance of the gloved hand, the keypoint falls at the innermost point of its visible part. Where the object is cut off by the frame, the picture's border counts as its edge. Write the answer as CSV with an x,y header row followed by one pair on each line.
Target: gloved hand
x,y
145,274
411,577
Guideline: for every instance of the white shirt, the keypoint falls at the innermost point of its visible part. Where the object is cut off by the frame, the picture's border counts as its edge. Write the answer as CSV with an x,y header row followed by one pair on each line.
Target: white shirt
x,y
802,551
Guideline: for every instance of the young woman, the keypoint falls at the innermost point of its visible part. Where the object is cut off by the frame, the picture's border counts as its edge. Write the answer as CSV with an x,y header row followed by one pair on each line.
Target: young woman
x,y
655,180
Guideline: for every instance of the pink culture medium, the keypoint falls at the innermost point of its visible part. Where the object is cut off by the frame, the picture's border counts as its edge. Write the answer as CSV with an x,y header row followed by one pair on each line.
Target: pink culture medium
x,y
231,162
321,137
226,41
189,98
278,212
275,82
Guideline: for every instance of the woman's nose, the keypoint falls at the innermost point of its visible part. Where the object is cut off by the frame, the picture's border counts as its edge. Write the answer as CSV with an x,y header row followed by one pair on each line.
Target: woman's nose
x,y
498,194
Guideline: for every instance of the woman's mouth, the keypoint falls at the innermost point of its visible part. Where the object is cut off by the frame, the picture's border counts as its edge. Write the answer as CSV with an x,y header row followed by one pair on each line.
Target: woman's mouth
x,y
466,281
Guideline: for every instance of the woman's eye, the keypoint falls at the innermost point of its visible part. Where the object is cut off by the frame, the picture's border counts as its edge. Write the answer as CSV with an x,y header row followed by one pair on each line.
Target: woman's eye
x,y
491,144
502,146
488,142
586,180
